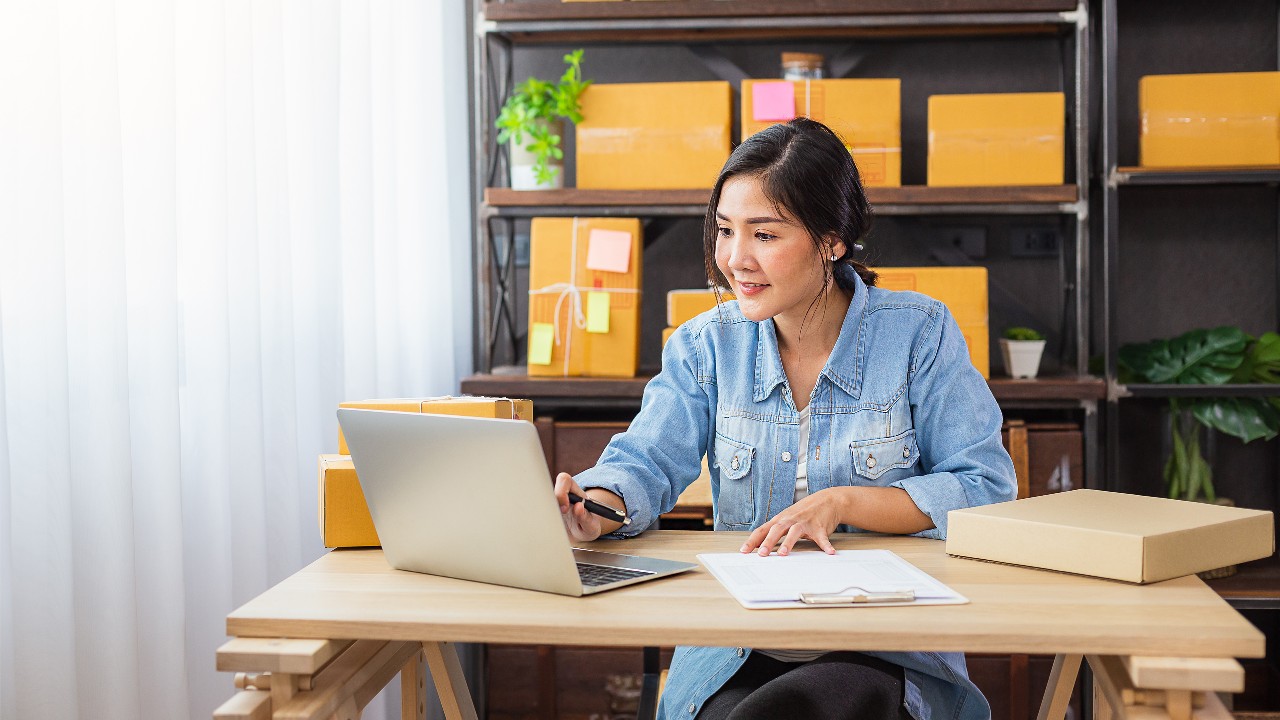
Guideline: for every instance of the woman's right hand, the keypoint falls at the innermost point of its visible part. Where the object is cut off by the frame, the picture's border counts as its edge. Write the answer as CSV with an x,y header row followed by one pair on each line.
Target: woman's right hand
x,y
581,525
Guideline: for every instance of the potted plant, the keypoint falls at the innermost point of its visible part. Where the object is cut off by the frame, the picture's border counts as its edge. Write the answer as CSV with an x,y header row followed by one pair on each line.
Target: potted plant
x,y
532,120
1022,348
1207,357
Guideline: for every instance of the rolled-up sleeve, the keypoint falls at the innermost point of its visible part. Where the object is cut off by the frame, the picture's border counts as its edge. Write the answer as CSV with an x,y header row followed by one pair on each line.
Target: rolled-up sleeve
x,y
957,423
660,454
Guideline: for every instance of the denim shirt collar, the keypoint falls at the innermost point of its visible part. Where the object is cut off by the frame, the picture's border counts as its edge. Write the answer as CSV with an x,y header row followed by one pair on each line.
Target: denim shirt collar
x,y
842,368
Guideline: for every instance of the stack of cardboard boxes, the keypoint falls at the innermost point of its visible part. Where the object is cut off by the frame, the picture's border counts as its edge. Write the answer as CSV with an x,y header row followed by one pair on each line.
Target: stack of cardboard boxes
x,y
344,515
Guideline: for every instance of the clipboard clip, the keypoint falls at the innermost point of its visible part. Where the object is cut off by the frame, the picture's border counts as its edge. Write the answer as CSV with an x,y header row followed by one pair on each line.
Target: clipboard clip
x,y
844,597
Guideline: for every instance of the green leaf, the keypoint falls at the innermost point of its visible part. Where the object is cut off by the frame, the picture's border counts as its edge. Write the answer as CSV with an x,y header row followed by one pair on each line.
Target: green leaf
x,y
1206,357
1246,418
1262,361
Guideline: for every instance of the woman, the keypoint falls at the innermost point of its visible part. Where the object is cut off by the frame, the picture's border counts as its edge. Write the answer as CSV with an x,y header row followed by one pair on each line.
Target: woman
x,y
823,404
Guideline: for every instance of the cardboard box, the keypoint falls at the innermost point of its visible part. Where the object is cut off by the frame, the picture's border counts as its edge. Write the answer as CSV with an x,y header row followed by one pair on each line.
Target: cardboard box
x,y
866,114
1111,535
962,289
998,139
344,516
654,136
684,305
564,281
447,405
1209,119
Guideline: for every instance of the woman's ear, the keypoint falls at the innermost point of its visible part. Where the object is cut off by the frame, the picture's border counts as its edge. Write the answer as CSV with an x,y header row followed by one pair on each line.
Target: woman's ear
x,y
836,248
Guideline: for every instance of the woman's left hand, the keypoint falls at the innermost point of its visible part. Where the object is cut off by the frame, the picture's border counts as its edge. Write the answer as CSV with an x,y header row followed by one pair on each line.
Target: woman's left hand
x,y
815,517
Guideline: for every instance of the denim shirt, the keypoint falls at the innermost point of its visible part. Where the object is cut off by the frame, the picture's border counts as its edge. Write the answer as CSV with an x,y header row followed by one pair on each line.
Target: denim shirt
x,y
898,404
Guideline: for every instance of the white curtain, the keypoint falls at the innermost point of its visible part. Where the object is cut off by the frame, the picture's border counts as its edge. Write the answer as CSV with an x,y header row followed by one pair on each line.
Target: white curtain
x,y
218,218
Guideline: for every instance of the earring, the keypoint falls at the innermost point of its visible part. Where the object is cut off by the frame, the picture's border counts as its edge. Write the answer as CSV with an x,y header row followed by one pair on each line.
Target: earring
x,y
834,258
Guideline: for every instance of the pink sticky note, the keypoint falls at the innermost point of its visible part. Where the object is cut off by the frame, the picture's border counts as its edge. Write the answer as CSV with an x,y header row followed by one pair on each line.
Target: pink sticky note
x,y
609,250
773,101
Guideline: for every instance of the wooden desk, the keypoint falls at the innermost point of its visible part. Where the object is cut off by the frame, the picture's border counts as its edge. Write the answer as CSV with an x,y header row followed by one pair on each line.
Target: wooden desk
x,y
354,594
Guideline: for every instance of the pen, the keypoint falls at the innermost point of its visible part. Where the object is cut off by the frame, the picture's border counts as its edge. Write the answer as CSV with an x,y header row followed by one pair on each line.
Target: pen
x,y
601,509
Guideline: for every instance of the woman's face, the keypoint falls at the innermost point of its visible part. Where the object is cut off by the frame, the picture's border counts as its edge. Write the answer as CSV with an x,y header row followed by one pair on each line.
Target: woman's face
x,y
767,256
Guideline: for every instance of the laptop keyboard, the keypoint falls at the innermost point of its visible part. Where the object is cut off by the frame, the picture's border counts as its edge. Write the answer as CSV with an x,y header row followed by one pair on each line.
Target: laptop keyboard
x,y
593,575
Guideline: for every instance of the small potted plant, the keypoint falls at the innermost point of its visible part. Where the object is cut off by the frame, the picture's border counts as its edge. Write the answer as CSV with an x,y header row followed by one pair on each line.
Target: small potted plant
x,y
532,120
1022,348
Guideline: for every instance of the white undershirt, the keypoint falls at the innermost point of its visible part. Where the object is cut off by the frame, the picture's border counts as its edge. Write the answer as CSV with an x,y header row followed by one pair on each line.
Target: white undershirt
x,y
802,489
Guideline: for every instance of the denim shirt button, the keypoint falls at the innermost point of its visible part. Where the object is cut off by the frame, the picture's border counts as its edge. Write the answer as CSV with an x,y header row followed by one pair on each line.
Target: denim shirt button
x,y
871,461
741,652
786,457
906,452
692,708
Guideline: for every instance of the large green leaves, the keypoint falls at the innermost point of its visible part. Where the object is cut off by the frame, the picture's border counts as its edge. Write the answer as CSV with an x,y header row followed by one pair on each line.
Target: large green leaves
x,y
1246,418
1262,362
1208,357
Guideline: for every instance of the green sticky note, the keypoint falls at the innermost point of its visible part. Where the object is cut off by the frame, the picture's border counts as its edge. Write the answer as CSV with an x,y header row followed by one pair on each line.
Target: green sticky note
x,y
598,312
541,337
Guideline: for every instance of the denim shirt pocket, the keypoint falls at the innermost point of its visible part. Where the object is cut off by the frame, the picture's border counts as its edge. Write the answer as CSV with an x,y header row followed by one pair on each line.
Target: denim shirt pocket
x,y
735,503
872,459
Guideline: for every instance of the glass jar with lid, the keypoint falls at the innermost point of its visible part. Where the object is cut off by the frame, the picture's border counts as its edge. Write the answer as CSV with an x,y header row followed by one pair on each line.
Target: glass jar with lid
x,y
802,66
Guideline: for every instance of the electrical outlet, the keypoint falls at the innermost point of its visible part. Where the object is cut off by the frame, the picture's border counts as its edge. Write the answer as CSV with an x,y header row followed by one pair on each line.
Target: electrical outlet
x,y
968,239
1034,241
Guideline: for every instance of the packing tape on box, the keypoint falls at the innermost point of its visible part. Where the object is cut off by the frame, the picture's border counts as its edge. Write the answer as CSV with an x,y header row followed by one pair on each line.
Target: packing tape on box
x,y
614,140
1183,125
573,292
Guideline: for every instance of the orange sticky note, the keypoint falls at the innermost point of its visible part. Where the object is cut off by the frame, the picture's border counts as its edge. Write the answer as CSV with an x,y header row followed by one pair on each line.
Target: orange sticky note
x,y
773,101
541,337
609,250
598,312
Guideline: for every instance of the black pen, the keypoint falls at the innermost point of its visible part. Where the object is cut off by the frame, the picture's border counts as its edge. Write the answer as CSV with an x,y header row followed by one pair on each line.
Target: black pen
x,y
601,509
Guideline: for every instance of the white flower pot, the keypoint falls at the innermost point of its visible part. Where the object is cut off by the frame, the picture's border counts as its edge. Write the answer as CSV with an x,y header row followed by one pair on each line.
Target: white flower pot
x,y
522,162
1021,357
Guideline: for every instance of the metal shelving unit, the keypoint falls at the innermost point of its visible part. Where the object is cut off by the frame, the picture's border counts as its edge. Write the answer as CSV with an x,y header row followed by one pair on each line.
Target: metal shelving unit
x,y
1258,586
502,27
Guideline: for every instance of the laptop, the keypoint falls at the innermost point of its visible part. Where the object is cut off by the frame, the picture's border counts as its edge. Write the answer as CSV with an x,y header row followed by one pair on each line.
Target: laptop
x,y
471,498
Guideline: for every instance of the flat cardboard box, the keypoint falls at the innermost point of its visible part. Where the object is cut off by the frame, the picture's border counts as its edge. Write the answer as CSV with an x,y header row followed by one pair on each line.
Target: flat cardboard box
x,y
1209,119
557,274
344,516
962,289
684,305
996,139
1111,535
654,136
865,113
448,405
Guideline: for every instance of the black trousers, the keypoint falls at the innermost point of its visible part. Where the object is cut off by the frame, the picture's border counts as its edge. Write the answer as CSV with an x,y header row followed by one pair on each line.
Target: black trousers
x,y
836,686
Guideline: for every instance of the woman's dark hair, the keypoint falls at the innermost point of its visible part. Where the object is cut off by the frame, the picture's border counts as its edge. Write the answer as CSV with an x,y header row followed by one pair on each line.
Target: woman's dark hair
x,y
805,169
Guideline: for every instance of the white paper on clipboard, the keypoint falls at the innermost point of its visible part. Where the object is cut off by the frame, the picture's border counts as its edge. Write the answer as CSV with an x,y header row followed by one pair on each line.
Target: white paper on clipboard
x,y
776,581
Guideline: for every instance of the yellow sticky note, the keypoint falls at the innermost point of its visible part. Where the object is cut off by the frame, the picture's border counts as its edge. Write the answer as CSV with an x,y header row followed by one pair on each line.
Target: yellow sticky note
x,y
598,312
541,337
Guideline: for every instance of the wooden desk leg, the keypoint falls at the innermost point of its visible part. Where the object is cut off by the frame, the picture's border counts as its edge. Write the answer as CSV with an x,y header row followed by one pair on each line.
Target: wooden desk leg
x,y
1057,695
451,685
413,687
283,687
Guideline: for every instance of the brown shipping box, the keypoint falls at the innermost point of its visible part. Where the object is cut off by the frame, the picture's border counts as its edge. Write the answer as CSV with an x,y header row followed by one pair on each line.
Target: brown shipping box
x,y
564,289
962,289
344,516
997,139
1111,535
448,405
865,113
684,305
654,136
1209,119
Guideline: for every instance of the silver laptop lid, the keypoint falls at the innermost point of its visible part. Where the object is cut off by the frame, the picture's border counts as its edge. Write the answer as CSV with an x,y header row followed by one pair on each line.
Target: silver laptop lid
x,y
461,497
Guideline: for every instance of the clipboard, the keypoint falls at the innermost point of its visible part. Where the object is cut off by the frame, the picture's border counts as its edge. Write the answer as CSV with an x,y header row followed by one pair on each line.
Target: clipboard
x,y
813,579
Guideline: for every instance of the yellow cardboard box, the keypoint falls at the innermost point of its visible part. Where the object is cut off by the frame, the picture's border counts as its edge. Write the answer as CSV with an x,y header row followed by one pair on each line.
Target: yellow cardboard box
x,y
654,136
962,289
1111,535
997,139
866,114
666,334
684,305
447,405
1209,119
565,297
344,516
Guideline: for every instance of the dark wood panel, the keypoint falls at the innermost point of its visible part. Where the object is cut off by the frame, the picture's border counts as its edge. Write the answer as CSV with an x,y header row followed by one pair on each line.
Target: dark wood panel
x,y
555,10
578,444
907,195
719,33
1257,580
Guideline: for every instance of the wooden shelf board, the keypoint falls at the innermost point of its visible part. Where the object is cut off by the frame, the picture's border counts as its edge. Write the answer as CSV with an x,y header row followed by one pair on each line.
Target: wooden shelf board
x,y
547,10
910,195
510,382
1257,580
1136,175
